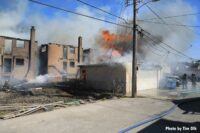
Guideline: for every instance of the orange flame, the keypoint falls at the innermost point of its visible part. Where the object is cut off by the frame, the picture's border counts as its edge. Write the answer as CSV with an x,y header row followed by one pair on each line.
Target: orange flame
x,y
110,41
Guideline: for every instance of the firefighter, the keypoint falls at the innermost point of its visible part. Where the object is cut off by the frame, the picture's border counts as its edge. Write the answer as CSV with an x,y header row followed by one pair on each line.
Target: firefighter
x,y
193,80
184,81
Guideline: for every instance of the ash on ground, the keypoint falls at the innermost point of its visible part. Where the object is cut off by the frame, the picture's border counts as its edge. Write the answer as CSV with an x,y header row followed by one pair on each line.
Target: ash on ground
x,y
36,96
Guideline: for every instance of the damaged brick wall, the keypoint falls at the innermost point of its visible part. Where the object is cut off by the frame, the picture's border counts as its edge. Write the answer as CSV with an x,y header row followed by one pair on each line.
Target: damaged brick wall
x,y
17,58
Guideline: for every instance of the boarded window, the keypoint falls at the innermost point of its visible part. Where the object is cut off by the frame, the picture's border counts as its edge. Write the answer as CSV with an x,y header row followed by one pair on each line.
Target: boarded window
x,y
72,64
64,53
20,62
7,65
20,44
72,50
65,65
8,46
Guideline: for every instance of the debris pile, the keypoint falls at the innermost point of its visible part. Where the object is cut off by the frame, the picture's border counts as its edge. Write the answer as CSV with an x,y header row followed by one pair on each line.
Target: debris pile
x,y
15,104
26,110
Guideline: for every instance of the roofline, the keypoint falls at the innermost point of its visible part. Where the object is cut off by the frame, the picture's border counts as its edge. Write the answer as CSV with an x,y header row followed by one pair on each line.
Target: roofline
x,y
59,44
8,37
100,64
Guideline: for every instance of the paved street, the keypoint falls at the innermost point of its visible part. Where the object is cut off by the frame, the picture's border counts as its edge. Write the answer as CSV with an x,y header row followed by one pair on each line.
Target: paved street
x,y
108,116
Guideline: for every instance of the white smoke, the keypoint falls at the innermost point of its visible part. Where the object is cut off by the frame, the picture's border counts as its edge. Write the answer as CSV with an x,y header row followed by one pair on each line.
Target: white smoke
x,y
11,18
178,37
60,28
42,79
126,58
66,29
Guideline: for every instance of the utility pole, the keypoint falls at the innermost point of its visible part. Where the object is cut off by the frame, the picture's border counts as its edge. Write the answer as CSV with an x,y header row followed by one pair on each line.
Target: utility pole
x,y
134,62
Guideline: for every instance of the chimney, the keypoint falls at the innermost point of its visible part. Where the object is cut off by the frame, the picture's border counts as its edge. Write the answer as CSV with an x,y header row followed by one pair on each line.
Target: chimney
x,y
32,36
79,49
32,53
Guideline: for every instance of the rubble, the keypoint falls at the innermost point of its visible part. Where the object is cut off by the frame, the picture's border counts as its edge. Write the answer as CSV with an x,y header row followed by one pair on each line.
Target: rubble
x,y
20,103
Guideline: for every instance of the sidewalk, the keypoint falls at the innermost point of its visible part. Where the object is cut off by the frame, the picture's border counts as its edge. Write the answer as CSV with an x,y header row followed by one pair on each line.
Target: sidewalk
x,y
167,94
107,116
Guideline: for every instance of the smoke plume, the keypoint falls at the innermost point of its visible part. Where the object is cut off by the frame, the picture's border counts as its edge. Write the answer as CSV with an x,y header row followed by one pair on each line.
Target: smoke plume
x,y
58,28
151,36
17,19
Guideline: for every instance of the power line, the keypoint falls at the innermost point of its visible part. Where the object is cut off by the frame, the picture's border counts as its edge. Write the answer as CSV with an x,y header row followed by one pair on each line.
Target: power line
x,y
175,16
164,47
180,54
172,29
147,46
156,48
163,22
102,10
80,14
168,26
194,26
168,47
159,41
152,43
152,50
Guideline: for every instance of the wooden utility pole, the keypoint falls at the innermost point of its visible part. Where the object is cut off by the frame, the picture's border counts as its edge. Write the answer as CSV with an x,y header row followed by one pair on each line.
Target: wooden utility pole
x,y
134,62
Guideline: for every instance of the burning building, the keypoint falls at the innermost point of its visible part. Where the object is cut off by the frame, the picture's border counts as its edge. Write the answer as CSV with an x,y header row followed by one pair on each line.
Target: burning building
x,y
18,57
112,70
117,77
60,60
114,78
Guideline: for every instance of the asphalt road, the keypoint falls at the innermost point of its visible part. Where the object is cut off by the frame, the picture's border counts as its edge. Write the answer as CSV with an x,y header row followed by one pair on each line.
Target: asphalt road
x,y
185,119
109,116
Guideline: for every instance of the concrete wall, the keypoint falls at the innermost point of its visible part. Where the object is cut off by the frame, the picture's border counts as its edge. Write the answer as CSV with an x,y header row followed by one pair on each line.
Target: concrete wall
x,y
111,78
118,76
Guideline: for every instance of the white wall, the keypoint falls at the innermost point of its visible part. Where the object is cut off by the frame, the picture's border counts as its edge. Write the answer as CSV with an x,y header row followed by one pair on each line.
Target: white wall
x,y
147,79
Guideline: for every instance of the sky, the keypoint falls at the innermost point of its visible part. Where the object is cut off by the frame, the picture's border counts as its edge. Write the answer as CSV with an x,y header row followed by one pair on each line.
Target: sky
x,y
61,27
194,50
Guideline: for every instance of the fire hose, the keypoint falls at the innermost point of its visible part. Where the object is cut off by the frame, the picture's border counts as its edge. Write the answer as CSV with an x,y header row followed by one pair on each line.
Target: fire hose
x,y
155,117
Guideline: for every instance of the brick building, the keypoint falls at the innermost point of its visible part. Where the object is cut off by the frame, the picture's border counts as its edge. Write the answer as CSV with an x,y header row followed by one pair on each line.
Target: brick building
x,y
60,60
18,57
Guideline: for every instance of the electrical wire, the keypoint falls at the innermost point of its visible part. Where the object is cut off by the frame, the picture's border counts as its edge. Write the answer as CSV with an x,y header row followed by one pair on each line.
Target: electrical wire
x,y
85,3
147,46
163,22
158,17
194,26
153,47
167,50
179,53
186,29
80,14
175,16
159,41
